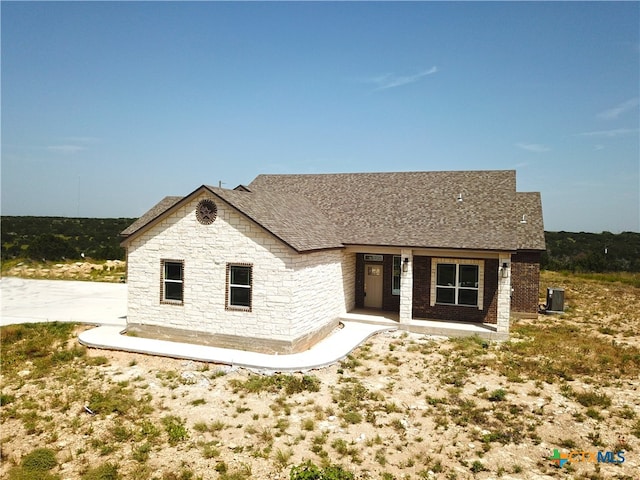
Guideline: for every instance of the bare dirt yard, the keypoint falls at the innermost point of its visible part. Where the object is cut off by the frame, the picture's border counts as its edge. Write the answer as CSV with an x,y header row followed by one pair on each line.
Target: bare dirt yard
x,y
401,406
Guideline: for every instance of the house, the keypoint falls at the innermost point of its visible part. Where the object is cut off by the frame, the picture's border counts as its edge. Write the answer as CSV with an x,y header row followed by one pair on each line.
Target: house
x,y
272,266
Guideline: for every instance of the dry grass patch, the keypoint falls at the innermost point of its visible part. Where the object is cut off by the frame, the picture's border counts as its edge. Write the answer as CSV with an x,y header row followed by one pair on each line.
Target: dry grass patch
x,y
401,406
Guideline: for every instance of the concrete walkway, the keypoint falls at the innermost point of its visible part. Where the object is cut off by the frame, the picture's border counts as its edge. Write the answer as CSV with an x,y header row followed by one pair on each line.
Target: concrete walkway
x,y
333,348
29,301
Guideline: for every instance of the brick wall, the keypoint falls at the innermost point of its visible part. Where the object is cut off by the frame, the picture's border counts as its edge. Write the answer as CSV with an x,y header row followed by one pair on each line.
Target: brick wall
x,y
525,282
422,295
294,295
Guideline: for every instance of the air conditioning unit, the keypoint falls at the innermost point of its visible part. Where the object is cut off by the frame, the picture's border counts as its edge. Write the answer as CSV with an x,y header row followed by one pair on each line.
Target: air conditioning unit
x,y
555,300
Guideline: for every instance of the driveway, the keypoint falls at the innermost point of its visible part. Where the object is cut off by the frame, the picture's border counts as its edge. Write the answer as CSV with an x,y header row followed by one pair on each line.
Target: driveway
x,y
30,301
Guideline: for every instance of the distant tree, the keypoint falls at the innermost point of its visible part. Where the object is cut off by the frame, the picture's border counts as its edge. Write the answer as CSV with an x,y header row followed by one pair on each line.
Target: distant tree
x,y
50,247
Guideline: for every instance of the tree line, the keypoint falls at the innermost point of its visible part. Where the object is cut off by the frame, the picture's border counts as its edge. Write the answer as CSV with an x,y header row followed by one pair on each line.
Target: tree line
x,y
592,252
62,238
59,238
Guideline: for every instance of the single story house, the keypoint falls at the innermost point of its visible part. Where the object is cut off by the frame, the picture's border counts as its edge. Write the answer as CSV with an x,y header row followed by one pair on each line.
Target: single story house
x,y
272,266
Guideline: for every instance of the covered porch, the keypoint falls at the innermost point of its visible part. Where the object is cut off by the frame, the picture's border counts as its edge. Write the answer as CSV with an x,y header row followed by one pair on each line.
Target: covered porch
x,y
401,286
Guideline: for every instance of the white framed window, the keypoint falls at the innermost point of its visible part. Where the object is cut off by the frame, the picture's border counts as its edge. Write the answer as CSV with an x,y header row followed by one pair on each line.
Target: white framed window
x,y
457,282
239,287
397,271
172,281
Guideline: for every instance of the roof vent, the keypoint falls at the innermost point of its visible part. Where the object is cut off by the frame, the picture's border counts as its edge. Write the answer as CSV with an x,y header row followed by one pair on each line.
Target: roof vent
x,y
523,219
459,197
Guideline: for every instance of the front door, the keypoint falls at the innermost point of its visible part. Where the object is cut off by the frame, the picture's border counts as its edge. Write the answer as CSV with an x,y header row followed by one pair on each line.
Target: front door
x,y
373,285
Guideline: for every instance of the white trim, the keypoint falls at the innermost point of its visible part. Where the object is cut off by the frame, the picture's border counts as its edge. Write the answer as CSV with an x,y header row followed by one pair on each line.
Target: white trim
x,y
164,266
249,286
457,261
396,291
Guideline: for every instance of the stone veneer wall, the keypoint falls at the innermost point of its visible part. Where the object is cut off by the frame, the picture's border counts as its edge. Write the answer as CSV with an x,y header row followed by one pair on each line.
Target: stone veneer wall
x,y
525,272
322,289
294,295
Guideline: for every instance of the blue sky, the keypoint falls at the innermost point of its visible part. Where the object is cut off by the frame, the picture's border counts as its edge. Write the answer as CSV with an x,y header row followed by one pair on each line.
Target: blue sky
x,y
108,107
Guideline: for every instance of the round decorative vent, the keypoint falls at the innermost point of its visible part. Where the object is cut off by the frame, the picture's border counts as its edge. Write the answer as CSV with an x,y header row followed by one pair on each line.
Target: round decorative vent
x,y
206,212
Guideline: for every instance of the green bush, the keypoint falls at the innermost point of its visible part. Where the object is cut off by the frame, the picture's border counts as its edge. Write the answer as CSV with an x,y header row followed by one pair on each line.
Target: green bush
x,y
6,398
40,459
309,471
116,400
351,417
106,471
477,466
591,399
175,429
274,383
36,464
497,395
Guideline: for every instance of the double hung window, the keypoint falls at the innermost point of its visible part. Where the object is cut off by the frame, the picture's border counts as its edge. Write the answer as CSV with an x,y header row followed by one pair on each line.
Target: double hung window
x,y
172,281
458,282
239,286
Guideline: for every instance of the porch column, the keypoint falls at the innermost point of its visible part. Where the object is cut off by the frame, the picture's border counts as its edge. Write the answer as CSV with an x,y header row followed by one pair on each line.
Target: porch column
x,y
406,286
504,293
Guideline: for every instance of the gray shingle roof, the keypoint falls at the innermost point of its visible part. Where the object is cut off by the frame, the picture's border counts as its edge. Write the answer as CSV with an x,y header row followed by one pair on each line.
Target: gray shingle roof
x,y
158,209
414,209
408,209
531,226
295,220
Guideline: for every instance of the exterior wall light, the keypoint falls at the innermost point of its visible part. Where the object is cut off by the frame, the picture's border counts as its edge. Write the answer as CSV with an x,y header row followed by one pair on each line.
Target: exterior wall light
x,y
405,265
504,271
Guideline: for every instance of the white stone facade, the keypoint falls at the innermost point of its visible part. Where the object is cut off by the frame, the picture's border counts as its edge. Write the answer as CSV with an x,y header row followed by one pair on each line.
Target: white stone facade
x,y
406,287
293,294
504,293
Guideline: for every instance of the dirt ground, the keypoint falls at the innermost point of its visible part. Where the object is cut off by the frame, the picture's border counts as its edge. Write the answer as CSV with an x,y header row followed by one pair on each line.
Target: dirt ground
x,y
403,406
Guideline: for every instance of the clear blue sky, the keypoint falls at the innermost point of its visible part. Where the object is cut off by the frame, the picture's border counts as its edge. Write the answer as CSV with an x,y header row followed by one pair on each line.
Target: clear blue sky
x,y
108,107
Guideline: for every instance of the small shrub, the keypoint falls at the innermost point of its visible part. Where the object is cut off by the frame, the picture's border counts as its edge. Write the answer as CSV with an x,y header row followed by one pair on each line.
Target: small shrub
x,y
141,453
309,471
40,459
497,395
175,429
592,413
477,466
210,451
148,430
97,361
592,399
289,383
282,457
6,398
106,471
351,417
568,443
201,427
626,412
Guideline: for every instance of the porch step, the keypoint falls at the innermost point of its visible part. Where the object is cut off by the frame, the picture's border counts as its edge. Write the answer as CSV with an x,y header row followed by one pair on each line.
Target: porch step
x,y
369,319
454,329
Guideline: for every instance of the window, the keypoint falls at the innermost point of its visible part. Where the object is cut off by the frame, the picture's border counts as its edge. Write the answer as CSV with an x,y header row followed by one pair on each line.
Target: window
x,y
397,269
239,285
457,282
172,281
